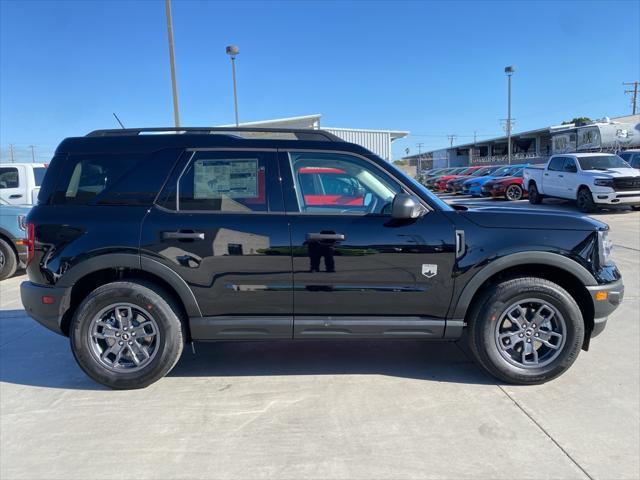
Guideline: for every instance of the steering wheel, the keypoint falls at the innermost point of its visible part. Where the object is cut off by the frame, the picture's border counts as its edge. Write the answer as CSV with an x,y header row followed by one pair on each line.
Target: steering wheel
x,y
371,208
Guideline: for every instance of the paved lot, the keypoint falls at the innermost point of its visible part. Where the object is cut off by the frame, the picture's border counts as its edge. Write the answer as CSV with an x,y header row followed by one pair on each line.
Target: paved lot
x,y
332,410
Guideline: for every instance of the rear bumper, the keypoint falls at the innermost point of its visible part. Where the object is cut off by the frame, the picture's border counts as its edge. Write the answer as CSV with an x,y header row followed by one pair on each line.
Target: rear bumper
x,y
606,298
46,314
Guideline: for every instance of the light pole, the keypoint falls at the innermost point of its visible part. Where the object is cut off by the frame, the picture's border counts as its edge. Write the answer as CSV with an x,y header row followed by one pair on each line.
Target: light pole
x,y
172,63
232,51
509,71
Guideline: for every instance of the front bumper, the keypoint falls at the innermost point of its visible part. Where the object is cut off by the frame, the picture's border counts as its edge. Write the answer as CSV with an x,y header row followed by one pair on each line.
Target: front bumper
x,y
606,298
617,198
47,314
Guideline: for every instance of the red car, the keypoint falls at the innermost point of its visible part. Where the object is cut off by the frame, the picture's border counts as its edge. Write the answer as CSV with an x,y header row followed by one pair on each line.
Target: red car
x,y
330,186
510,188
441,184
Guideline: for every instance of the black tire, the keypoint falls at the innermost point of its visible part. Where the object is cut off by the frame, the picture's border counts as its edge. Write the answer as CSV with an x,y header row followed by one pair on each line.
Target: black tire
x,y
635,207
585,202
514,193
8,260
147,297
486,314
534,196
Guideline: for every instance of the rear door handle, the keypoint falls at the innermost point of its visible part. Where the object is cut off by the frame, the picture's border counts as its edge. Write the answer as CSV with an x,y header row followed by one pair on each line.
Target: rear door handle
x,y
562,176
183,235
16,195
546,174
325,236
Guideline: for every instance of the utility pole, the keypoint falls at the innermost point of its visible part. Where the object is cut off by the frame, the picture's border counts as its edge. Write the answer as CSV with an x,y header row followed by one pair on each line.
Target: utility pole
x,y
509,71
634,95
172,62
451,137
33,153
419,145
11,152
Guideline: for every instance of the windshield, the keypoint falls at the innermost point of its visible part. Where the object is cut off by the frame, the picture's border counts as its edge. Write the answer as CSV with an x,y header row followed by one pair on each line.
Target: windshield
x,y
602,162
501,172
482,171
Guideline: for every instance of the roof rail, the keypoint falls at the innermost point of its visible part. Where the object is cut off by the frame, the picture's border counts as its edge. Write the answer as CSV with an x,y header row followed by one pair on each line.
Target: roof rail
x,y
243,132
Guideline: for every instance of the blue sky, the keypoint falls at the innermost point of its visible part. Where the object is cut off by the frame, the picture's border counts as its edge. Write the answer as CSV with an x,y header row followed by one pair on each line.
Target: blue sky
x,y
433,68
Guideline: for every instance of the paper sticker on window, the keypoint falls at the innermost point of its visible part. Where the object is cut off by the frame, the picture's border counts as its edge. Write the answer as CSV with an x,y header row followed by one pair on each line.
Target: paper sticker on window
x,y
225,178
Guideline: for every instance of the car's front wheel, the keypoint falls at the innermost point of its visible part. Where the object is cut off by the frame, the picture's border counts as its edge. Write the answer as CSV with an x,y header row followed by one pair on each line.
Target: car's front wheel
x,y
526,330
127,334
514,193
534,196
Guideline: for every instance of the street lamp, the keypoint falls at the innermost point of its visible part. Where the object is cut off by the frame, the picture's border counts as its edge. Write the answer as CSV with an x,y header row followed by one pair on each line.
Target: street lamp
x,y
232,51
509,71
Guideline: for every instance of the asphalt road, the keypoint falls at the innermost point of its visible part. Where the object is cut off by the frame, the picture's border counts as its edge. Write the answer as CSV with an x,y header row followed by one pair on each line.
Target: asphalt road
x,y
371,410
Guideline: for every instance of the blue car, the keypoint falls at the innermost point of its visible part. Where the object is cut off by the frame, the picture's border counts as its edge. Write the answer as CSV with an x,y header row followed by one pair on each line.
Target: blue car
x,y
473,186
13,244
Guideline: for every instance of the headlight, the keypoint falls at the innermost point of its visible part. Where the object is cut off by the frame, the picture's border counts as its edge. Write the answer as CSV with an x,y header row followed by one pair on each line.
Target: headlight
x,y
603,182
604,247
22,222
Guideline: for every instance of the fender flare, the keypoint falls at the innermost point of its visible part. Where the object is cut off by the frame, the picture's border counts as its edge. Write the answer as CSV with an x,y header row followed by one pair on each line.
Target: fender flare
x,y
513,260
135,261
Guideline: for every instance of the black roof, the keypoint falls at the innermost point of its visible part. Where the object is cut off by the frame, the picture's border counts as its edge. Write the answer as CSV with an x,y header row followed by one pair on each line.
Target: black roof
x,y
139,140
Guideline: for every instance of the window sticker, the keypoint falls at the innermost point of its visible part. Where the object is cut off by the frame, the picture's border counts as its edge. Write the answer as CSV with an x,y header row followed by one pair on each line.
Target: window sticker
x,y
236,178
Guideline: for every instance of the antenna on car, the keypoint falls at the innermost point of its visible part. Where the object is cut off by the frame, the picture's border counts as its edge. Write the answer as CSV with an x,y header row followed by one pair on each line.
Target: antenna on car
x,y
114,114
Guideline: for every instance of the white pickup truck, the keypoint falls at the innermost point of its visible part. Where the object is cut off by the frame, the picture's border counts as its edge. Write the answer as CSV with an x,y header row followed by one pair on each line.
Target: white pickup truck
x,y
20,182
591,179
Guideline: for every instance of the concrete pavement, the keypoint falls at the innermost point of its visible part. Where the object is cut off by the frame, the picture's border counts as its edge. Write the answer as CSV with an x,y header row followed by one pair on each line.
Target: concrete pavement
x,y
369,410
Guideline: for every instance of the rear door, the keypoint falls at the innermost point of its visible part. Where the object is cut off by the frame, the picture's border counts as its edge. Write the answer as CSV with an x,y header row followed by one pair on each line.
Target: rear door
x,y
356,271
13,184
220,224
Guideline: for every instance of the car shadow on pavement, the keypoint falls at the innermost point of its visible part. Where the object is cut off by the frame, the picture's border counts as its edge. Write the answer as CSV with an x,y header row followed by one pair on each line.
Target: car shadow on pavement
x,y
433,361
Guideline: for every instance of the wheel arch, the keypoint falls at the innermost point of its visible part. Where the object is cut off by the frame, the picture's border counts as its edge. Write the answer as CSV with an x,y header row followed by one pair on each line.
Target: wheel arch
x,y
113,267
561,270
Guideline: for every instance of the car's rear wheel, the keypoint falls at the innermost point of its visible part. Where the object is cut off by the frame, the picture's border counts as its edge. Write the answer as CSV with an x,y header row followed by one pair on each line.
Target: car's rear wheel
x,y
526,330
127,334
534,196
514,193
8,260
585,202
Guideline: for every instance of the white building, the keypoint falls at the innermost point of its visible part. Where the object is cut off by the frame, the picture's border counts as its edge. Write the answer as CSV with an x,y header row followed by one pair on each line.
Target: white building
x,y
378,141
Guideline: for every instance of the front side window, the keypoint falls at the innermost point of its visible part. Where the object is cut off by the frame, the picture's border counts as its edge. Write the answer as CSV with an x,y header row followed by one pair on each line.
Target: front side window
x,y
9,177
570,165
234,182
338,183
556,164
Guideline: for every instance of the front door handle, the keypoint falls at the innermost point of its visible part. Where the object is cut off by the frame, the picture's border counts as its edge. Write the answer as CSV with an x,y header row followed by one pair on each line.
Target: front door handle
x,y
16,195
315,237
183,235
561,176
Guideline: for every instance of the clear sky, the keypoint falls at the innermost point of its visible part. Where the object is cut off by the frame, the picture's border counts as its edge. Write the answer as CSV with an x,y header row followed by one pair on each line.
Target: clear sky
x,y
433,68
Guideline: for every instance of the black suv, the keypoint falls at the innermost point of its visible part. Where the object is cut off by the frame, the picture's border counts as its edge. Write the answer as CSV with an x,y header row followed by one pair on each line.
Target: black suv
x,y
144,240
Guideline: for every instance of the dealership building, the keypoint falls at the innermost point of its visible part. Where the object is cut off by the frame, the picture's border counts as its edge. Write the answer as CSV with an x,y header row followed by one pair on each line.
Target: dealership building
x,y
536,146
378,141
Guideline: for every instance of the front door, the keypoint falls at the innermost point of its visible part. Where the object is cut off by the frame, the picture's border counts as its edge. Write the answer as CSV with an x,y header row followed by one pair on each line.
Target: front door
x,y
220,224
356,271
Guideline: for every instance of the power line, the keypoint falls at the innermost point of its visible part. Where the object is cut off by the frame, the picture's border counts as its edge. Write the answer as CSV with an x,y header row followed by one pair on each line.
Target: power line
x,y
634,95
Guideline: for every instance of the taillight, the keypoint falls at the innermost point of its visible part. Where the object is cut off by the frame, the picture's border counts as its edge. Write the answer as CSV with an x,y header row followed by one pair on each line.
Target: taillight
x,y
31,242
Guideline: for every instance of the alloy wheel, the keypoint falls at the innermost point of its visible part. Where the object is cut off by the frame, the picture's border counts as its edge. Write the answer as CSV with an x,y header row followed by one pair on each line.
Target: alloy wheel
x,y
530,333
514,193
124,337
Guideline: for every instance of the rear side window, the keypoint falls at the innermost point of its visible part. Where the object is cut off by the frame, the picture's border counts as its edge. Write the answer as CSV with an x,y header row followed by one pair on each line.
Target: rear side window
x,y
9,177
38,175
123,179
556,163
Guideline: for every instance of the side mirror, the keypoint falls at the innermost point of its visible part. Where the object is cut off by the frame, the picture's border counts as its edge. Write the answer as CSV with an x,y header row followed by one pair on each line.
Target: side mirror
x,y
405,207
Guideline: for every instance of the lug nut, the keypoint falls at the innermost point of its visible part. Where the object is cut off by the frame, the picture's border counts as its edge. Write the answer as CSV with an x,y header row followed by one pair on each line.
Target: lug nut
x,y
120,343
124,328
133,334
533,326
117,334
130,343
521,335
528,340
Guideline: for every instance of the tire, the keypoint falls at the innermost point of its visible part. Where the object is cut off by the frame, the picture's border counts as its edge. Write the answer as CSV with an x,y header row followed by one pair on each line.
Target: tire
x,y
157,312
8,260
534,196
585,202
635,207
513,193
489,317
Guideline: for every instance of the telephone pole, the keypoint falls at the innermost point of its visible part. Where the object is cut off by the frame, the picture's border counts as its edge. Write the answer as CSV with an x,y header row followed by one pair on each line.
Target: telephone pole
x,y
634,95
451,138
419,145
11,152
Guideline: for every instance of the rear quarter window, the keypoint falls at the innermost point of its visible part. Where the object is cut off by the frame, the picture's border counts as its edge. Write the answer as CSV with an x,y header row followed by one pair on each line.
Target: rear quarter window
x,y
122,179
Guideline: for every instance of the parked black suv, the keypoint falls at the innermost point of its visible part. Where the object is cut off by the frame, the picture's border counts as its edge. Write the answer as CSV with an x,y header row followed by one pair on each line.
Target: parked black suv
x,y
144,240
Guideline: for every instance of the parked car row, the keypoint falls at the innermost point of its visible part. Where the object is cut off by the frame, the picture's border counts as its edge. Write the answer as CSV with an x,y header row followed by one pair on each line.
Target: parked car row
x,y
13,235
498,181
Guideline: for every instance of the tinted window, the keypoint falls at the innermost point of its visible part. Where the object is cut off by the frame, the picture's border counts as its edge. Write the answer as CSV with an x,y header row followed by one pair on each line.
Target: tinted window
x,y
570,165
38,175
340,184
556,163
9,177
635,161
223,182
112,179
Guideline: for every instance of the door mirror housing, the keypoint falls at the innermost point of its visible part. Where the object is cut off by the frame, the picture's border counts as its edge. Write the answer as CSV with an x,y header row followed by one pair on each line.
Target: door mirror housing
x,y
405,207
